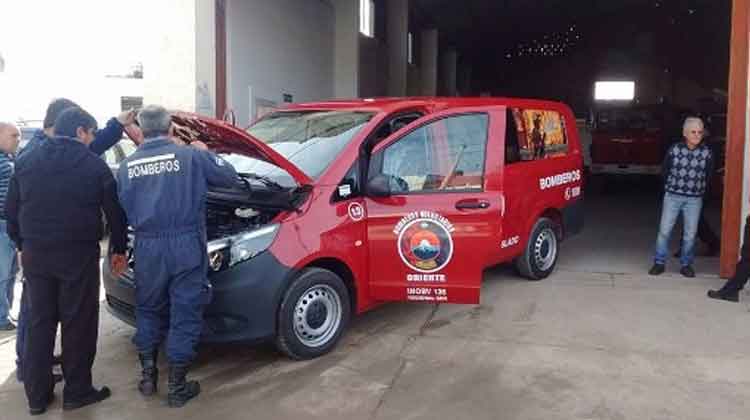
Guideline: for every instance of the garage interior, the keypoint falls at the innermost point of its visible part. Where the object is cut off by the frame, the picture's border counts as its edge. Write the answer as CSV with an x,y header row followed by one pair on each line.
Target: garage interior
x,y
676,51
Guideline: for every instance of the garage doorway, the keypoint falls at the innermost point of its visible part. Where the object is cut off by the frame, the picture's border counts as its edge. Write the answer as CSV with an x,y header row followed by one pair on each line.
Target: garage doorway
x,y
677,54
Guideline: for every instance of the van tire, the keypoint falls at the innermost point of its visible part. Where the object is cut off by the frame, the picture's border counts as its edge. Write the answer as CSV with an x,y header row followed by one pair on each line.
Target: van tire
x,y
536,263
313,314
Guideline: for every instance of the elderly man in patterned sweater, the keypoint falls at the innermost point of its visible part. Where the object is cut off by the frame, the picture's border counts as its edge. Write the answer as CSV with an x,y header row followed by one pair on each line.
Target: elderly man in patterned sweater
x,y
686,171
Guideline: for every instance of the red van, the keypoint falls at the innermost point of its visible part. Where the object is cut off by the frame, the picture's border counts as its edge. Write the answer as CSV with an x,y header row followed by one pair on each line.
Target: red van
x,y
346,205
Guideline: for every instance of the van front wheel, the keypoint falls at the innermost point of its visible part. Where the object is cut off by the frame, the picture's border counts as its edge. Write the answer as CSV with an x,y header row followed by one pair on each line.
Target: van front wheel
x,y
540,256
313,314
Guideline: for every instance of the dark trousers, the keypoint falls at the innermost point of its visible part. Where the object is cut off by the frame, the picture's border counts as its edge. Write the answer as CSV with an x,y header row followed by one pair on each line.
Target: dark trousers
x,y
742,272
171,292
62,286
21,332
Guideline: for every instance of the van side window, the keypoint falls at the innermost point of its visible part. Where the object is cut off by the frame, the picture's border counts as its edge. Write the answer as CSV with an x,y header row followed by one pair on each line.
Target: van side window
x,y
512,148
447,154
395,124
541,133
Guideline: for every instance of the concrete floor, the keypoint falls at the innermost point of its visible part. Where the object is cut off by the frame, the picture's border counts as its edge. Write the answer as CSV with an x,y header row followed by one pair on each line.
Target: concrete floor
x,y
596,340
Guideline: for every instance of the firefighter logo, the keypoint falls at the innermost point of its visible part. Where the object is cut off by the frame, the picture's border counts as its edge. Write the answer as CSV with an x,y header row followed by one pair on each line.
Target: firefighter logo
x,y
425,243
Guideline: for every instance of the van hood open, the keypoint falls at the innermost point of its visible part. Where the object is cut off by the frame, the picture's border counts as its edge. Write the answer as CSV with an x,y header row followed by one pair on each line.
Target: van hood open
x,y
222,137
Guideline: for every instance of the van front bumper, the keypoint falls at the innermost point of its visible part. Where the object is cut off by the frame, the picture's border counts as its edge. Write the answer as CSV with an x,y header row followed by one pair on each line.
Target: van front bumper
x,y
244,302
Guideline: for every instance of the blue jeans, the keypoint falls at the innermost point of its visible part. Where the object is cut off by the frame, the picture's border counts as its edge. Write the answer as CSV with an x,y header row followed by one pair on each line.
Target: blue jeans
x,y
691,211
8,271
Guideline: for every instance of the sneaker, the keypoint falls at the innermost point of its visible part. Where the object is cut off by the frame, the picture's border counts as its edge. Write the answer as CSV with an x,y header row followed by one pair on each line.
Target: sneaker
x,y
687,271
656,269
92,397
721,295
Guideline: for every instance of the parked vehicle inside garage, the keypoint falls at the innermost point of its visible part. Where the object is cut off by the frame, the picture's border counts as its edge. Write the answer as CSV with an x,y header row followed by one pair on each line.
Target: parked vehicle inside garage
x,y
633,139
346,205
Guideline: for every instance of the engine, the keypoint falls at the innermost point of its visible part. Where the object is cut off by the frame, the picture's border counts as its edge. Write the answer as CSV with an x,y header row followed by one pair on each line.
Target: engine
x,y
224,219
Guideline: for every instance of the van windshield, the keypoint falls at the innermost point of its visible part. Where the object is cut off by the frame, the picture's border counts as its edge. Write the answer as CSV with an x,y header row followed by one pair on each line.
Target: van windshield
x,y
311,140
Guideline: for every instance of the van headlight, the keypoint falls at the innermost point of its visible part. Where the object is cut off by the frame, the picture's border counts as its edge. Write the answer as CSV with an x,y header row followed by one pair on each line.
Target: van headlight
x,y
227,252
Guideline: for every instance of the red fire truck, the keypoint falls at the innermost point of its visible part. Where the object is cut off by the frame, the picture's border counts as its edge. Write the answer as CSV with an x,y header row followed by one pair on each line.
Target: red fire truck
x,y
633,139
346,205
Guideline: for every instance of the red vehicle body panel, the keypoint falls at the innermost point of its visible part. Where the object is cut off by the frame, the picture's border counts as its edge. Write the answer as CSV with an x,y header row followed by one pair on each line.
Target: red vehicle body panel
x,y
512,200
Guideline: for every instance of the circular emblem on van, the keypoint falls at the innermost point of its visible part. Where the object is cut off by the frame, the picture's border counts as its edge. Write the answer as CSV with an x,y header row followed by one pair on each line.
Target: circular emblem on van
x,y
356,211
425,244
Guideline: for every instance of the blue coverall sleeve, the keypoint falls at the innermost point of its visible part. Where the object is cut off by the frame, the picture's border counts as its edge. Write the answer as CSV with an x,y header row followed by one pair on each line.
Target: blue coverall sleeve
x,y
107,137
219,172
122,179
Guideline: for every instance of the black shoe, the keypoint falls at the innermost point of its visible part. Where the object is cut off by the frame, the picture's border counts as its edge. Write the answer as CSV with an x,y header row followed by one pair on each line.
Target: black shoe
x,y
656,269
150,374
180,390
678,253
687,271
36,411
722,295
93,397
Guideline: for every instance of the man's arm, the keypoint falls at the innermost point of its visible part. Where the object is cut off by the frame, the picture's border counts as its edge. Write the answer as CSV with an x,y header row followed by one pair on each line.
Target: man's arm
x,y
114,214
666,165
219,172
107,137
11,212
112,132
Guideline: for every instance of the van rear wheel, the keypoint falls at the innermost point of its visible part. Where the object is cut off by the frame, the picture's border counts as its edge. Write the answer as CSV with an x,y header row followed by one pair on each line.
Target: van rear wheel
x,y
313,314
540,256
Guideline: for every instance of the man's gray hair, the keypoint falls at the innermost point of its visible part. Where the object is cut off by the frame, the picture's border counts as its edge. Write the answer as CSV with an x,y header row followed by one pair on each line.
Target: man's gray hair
x,y
154,121
691,121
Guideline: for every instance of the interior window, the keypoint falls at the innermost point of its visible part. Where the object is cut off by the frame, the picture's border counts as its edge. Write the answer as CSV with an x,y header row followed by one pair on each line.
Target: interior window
x,y
447,154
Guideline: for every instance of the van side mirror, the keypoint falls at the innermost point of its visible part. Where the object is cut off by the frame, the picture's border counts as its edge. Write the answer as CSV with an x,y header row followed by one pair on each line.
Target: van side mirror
x,y
379,186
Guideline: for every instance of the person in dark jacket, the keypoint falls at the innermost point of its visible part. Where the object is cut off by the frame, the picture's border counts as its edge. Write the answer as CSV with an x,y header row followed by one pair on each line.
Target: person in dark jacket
x,y
53,209
103,140
687,169
163,187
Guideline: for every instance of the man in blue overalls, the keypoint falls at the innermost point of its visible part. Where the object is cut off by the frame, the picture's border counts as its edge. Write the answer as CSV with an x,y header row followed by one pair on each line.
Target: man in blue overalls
x,y
162,188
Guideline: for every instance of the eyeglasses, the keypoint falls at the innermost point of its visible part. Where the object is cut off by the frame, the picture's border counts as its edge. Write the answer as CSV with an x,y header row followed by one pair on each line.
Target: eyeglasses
x,y
696,131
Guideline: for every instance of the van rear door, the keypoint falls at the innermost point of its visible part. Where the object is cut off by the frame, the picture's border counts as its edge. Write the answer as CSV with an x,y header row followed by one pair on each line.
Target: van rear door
x,y
433,206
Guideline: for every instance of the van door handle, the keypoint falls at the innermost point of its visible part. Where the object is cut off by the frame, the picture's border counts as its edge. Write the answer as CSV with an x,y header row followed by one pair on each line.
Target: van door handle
x,y
472,204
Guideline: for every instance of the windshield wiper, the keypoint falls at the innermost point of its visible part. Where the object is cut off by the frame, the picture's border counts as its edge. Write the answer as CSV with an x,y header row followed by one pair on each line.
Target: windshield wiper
x,y
268,182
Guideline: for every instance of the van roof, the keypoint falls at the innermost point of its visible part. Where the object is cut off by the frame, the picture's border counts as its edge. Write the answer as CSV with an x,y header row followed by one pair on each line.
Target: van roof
x,y
390,104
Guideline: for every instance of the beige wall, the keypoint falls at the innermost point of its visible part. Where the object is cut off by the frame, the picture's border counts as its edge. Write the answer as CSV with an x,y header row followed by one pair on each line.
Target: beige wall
x,y
170,59
205,50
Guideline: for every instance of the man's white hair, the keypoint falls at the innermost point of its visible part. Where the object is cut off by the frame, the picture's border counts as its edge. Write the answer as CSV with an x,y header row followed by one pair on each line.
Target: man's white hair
x,y
154,121
691,122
